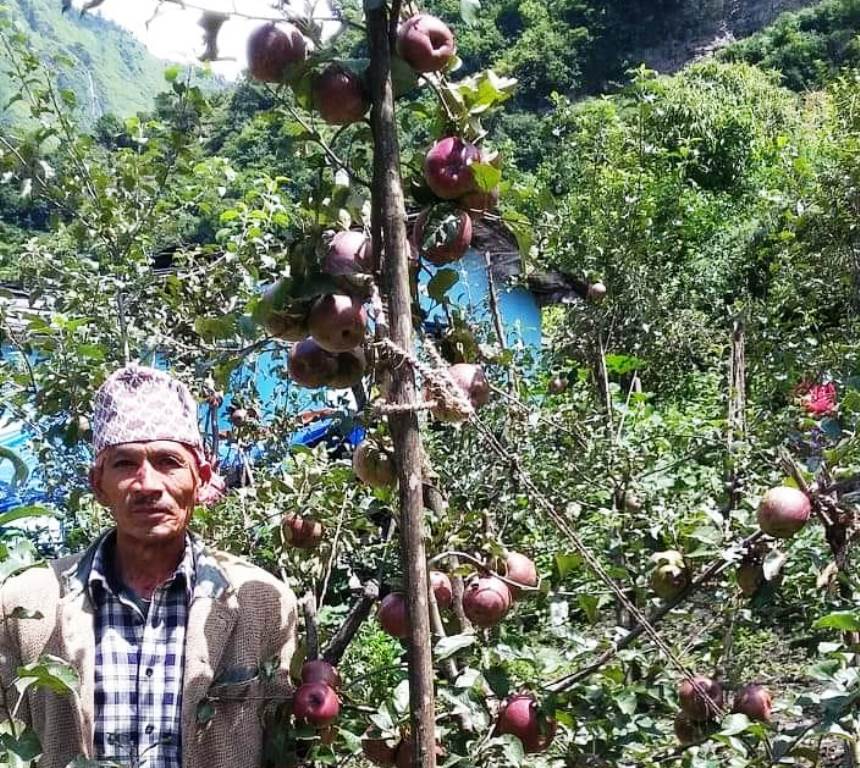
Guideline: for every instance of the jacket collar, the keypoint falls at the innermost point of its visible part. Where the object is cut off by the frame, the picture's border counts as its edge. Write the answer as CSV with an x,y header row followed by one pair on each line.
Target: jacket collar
x,y
210,579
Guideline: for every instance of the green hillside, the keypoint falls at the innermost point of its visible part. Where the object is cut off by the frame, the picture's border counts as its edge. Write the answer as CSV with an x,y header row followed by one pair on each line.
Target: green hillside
x,y
111,71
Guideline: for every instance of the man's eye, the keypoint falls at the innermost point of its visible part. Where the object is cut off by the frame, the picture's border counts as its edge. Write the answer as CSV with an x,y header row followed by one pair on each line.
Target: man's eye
x,y
122,463
170,461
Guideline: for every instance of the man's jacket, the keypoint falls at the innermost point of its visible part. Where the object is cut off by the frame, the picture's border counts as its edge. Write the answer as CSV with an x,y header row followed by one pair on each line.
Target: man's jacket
x,y
240,638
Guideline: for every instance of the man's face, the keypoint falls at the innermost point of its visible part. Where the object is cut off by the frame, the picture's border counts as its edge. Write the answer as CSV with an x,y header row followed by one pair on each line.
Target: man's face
x,y
150,488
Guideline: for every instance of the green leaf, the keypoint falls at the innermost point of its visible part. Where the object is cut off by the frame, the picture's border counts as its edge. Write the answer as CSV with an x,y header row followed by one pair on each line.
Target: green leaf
x,y
25,512
487,177
844,621
448,646
621,364
732,725
469,10
205,711
20,555
22,750
441,283
498,680
20,612
172,72
49,672
566,563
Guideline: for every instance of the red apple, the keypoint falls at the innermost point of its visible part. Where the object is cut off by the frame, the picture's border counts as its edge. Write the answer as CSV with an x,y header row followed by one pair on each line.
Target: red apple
x,y
373,466
442,590
349,253
447,167
472,382
320,671
557,385
339,95
272,48
783,511
238,417
316,703
310,365
378,751
393,615
754,701
520,569
596,292
425,43
337,322
693,704
486,600
351,366
519,715
302,532
442,234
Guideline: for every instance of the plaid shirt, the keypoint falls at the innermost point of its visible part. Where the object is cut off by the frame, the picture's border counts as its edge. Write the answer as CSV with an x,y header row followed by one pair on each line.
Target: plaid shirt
x,y
140,657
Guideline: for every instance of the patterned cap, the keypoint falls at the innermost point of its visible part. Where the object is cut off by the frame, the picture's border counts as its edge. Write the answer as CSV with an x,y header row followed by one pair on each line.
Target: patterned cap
x,y
137,404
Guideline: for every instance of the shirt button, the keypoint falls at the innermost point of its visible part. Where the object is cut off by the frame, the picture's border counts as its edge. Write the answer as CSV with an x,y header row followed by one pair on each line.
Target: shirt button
x,y
149,728
149,671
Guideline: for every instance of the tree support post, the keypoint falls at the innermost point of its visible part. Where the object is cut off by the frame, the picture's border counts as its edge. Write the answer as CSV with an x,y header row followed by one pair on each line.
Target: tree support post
x,y
389,217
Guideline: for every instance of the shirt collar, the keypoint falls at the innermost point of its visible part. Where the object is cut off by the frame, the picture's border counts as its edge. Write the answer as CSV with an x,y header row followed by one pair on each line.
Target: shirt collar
x,y
102,575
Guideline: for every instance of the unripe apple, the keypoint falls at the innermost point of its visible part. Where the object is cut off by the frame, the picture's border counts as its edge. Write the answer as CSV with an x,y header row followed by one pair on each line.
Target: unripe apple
x,y
783,511
520,569
472,382
425,43
280,317
302,532
632,503
670,575
316,703
339,95
393,616
754,701
442,590
373,466
486,600
350,368
693,704
442,235
596,292
320,671
406,751
378,751
689,732
349,253
272,48
310,365
337,322
750,577
447,167
519,715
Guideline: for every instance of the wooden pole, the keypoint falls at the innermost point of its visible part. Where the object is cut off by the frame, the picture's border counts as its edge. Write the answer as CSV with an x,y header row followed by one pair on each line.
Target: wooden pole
x,y
389,211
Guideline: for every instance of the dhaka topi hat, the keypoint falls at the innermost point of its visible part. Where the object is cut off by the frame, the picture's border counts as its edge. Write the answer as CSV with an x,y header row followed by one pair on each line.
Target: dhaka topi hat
x,y
138,404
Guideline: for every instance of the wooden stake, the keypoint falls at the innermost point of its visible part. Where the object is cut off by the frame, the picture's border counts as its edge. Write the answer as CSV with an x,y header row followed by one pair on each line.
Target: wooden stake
x,y
389,213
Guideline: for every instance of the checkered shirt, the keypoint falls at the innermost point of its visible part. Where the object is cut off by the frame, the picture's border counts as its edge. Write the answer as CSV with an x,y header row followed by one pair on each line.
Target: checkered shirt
x,y
139,664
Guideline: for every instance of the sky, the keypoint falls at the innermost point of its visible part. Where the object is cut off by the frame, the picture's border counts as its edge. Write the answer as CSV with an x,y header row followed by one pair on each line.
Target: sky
x,y
173,33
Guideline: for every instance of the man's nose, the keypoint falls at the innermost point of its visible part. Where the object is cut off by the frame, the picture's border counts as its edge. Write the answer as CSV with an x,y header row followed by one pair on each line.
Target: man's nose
x,y
146,479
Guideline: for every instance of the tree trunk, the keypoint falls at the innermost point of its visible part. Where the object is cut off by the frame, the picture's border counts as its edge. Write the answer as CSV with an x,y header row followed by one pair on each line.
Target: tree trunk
x,y
389,212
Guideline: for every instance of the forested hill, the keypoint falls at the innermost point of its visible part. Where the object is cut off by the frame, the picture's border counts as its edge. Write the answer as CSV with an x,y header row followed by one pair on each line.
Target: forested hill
x,y
583,47
111,71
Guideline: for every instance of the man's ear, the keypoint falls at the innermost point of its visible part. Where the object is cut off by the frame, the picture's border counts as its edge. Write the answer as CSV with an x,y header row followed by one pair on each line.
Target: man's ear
x,y
96,483
205,472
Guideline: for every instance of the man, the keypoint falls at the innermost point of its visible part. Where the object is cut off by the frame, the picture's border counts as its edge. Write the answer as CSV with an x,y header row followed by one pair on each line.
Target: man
x,y
179,648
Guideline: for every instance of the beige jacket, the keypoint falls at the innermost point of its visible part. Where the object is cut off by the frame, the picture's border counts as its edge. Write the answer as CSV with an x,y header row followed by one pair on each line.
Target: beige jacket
x,y
239,620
